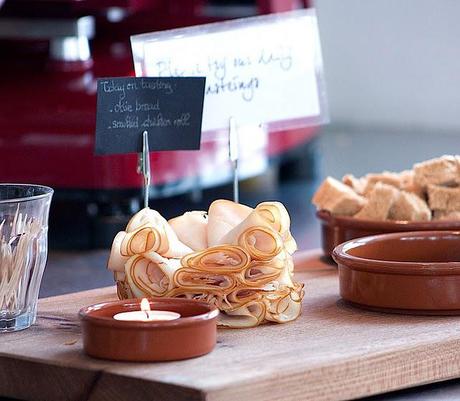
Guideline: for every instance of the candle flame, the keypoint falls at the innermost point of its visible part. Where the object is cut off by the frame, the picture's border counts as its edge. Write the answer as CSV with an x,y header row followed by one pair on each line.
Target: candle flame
x,y
145,305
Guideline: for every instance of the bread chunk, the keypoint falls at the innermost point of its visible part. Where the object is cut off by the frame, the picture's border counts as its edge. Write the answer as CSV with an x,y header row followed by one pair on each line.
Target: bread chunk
x,y
444,198
443,170
408,184
404,180
357,184
409,207
446,215
380,200
337,198
387,177
430,191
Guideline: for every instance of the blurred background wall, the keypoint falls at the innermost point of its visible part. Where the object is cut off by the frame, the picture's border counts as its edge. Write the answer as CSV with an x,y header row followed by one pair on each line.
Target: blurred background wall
x,y
393,64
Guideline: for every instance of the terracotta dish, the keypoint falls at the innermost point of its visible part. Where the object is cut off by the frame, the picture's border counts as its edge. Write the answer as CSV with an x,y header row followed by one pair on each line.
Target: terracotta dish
x,y
338,229
413,272
192,335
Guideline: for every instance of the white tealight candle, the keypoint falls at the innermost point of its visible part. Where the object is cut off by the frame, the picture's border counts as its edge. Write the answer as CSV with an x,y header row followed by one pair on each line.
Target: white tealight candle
x,y
146,315
150,316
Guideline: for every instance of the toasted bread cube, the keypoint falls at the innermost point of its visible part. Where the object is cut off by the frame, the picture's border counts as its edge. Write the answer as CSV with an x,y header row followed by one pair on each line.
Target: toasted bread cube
x,y
443,170
446,215
444,198
357,184
409,207
337,198
380,200
387,177
403,180
408,184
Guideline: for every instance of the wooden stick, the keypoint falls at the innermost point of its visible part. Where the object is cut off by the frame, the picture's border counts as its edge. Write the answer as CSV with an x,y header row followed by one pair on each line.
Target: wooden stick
x,y
14,258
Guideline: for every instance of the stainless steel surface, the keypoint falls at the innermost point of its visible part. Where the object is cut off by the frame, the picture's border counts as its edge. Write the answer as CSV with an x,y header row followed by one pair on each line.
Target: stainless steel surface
x,y
30,28
70,48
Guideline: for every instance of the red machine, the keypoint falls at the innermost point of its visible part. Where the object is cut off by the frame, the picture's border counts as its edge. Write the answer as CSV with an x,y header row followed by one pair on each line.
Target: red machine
x,y
53,51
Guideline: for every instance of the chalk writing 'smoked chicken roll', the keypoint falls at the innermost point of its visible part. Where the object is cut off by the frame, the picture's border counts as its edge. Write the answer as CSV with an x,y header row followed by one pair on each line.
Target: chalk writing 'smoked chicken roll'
x,y
235,257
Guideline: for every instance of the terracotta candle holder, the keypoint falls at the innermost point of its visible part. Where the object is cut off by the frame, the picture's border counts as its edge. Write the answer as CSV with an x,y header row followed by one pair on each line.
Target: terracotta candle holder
x,y
414,273
193,334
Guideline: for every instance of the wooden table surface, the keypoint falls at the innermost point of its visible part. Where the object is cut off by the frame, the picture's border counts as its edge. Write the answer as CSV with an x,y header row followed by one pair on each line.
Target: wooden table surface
x,y
331,352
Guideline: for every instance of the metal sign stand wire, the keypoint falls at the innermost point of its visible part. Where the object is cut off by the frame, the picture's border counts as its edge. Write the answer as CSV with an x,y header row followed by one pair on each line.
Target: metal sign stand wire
x,y
233,147
143,167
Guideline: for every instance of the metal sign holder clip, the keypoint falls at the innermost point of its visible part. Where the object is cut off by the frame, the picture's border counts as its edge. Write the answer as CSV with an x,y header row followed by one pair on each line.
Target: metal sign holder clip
x,y
143,167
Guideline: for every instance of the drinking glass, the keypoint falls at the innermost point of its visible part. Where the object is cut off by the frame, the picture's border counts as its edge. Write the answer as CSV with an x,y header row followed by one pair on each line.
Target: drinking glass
x,y
24,210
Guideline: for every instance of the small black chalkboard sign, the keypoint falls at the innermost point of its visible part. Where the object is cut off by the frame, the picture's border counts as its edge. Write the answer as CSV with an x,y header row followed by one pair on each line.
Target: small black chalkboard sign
x,y
169,109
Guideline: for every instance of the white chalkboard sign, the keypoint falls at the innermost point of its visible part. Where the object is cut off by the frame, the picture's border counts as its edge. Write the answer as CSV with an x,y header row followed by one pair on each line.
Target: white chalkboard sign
x,y
259,70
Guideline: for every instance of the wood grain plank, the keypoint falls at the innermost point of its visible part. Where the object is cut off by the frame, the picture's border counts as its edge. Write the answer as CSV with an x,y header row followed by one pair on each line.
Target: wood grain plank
x,y
331,352
27,380
111,387
313,260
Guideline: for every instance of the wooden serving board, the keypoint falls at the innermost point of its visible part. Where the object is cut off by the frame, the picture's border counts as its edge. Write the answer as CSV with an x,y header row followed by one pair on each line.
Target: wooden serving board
x,y
331,352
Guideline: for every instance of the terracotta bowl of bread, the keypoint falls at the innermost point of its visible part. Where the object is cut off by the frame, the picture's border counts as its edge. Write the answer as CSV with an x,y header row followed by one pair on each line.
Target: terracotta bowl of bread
x,y
338,229
411,272
427,197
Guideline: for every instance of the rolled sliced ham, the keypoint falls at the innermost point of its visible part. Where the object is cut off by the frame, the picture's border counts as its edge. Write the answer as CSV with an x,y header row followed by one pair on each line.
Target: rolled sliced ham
x,y
144,216
241,296
151,232
257,236
212,299
260,273
248,315
116,260
191,228
285,278
253,219
124,290
218,259
141,240
262,243
290,243
223,215
286,307
236,258
150,274
277,216
204,281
